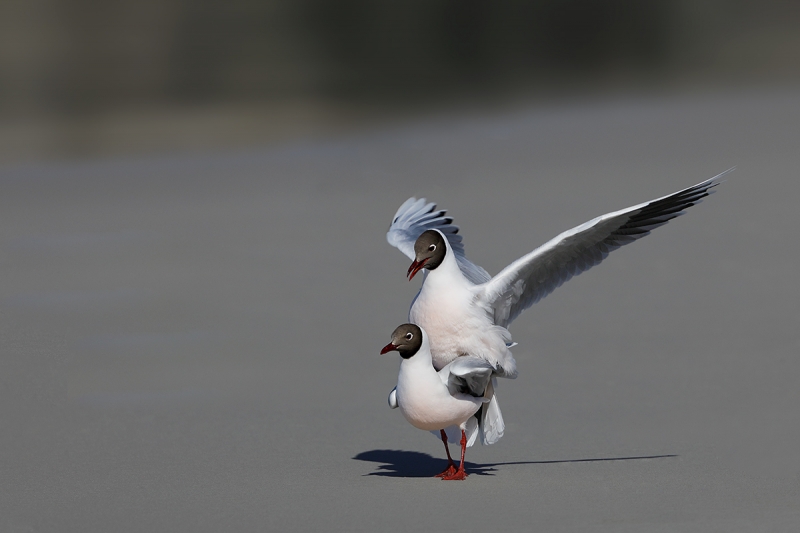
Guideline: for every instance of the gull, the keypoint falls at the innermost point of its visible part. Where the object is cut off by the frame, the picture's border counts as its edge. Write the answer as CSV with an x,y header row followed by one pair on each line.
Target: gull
x,y
466,312
440,401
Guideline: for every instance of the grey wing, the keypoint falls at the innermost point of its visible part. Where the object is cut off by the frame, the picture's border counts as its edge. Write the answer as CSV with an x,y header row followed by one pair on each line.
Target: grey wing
x,y
468,375
417,216
532,277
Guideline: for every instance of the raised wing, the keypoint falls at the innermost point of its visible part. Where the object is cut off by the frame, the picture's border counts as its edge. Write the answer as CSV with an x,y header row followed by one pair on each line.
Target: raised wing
x,y
417,216
535,275
468,375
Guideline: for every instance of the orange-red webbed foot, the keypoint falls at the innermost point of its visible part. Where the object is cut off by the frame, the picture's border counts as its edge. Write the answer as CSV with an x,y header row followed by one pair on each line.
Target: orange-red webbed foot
x,y
458,475
450,471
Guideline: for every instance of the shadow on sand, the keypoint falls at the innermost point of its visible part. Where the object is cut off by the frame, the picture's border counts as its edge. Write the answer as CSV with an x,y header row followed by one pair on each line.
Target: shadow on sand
x,y
400,463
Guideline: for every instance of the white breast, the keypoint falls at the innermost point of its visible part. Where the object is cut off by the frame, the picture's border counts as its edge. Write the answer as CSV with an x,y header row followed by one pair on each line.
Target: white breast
x,y
456,326
425,401
453,325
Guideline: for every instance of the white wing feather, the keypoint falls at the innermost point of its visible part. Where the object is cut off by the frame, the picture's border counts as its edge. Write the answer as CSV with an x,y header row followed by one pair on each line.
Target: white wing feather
x,y
417,216
535,275
491,422
473,376
468,375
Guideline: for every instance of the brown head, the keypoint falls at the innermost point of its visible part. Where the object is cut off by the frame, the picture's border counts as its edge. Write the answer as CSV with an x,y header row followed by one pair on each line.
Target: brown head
x,y
406,339
430,250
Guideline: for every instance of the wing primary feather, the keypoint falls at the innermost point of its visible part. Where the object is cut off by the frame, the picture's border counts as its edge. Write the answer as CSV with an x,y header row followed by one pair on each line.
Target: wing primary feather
x,y
577,250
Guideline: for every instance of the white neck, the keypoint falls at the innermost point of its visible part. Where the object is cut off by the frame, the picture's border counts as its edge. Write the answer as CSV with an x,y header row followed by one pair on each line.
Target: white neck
x,y
422,358
448,272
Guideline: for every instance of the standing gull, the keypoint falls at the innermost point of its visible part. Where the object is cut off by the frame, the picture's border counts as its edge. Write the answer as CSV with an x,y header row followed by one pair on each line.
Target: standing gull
x,y
435,401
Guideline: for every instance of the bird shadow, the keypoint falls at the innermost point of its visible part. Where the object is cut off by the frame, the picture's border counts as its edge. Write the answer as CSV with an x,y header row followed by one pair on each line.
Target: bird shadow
x,y
401,463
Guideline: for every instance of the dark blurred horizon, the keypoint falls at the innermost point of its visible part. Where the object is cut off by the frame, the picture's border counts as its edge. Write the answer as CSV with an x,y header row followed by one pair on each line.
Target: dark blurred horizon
x,y
84,77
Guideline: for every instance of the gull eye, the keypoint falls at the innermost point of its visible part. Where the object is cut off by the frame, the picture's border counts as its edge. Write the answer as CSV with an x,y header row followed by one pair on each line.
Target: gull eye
x,y
409,336
432,248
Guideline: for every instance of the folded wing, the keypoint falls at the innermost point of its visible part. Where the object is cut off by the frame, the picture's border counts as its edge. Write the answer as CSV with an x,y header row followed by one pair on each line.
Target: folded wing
x,y
476,376
535,275
468,375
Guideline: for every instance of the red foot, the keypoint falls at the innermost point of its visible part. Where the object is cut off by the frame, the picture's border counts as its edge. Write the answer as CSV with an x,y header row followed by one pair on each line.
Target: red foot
x,y
451,470
457,476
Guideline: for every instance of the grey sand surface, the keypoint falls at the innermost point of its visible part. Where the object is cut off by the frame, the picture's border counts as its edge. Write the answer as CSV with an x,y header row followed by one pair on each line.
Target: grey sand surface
x,y
190,343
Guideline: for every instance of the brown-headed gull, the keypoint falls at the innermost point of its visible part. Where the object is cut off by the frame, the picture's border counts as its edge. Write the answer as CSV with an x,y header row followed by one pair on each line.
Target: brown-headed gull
x,y
465,312
442,401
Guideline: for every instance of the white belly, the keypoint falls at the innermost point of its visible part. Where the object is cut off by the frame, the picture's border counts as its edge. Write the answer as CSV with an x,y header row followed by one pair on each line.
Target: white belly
x,y
455,327
426,403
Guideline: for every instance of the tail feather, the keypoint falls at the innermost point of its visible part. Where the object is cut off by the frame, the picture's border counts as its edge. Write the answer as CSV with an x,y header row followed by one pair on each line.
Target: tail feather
x,y
490,419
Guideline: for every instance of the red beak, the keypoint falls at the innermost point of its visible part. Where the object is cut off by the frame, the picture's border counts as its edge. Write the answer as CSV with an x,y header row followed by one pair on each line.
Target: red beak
x,y
415,267
388,348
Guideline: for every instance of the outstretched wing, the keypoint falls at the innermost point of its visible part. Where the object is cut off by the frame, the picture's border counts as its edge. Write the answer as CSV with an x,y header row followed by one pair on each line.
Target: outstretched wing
x,y
535,275
417,216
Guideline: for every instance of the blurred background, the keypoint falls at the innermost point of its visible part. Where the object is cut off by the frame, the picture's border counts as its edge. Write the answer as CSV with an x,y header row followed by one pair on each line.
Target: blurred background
x,y
92,78
195,278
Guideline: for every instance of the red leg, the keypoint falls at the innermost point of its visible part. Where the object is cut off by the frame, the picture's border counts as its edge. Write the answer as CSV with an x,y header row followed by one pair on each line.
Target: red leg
x,y
451,467
461,473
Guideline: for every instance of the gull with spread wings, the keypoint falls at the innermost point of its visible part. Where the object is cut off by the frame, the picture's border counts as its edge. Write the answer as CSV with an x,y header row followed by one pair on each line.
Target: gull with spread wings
x,y
465,311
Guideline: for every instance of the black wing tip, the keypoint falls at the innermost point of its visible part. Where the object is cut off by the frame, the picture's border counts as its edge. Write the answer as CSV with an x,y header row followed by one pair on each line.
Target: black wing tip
x,y
716,180
659,212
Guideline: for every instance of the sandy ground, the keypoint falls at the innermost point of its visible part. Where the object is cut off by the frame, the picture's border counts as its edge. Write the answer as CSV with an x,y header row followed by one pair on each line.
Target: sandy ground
x,y
190,343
